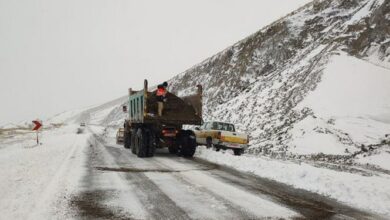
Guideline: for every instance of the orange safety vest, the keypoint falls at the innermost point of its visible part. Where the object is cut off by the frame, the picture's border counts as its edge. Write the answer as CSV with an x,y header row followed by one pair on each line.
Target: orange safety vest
x,y
161,91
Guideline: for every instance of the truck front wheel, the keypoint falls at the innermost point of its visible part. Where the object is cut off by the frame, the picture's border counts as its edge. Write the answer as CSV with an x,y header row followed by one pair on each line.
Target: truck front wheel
x,y
127,140
238,152
209,142
133,141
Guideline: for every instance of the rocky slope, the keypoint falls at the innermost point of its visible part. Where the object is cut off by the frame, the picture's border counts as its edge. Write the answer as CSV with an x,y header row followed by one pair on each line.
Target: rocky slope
x,y
259,82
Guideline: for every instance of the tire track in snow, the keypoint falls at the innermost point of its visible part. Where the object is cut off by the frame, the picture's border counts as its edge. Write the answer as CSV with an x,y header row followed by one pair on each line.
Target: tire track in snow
x,y
197,201
52,189
203,187
154,202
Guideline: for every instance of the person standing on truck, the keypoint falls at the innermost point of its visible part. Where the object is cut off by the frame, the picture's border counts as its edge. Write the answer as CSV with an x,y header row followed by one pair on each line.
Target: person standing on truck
x,y
161,97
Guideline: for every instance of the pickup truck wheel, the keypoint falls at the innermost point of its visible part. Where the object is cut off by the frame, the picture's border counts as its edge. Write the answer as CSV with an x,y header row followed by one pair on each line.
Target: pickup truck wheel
x,y
238,152
209,142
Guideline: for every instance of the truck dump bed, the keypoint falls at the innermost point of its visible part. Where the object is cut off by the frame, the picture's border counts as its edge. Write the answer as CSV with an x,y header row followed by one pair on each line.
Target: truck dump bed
x,y
185,110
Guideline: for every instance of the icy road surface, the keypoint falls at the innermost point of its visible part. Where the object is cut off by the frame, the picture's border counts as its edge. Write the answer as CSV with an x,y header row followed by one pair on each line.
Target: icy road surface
x,y
88,176
118,185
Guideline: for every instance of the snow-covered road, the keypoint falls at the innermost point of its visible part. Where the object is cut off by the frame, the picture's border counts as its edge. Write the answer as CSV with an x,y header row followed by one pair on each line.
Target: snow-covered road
x,y
36,181
88,176
121,186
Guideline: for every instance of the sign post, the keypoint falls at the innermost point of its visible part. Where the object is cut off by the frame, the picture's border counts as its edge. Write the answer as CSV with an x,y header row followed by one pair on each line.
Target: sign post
x,y
36,128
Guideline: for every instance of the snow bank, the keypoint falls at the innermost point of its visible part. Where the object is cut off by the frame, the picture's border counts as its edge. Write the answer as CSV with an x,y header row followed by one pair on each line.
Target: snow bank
x,y
351,106
380,159
367,193
35,180
351,87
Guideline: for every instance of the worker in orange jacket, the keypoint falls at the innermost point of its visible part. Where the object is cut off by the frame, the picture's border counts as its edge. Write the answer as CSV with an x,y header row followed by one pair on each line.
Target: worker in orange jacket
x,y
161,97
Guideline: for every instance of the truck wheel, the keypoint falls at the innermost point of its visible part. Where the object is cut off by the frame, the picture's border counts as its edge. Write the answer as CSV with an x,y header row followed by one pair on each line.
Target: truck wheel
x,y
238,152
173,149
151,143
133,141
209,142
188,144
142,143
127,140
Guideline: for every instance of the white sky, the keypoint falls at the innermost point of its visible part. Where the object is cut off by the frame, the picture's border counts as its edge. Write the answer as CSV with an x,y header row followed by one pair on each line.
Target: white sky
x,y
61,55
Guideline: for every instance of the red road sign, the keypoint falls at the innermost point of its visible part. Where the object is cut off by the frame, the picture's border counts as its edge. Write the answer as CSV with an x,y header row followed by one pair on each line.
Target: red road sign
x,y
37,125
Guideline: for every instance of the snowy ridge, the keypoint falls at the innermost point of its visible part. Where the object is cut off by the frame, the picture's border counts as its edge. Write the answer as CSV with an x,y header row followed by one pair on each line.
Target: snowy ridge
x,y
107,114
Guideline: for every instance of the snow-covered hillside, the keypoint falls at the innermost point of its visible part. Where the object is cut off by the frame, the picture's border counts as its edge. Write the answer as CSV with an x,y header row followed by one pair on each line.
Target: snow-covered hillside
x,y
351,108
313,82
107,114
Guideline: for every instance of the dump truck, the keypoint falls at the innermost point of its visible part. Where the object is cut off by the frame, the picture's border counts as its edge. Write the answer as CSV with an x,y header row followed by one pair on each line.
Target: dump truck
x,y
145,130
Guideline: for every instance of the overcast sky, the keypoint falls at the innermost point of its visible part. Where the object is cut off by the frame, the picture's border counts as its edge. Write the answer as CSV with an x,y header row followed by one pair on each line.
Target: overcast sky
x,y
62,55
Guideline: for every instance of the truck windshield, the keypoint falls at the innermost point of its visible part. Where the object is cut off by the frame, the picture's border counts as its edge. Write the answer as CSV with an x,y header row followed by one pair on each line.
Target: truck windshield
x,y
223,126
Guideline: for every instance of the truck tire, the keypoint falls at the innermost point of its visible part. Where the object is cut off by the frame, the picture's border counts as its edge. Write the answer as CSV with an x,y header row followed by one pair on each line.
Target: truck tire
x,y
238,152
127,140
142,143
188,144
173,149
133,141
151,143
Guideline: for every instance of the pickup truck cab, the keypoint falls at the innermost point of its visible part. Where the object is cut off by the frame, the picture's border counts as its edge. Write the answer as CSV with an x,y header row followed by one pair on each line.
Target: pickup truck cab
x,y
221,135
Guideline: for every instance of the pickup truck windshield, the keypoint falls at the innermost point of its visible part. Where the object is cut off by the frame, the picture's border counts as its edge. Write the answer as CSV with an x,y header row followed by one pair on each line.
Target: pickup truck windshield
x,y
223,126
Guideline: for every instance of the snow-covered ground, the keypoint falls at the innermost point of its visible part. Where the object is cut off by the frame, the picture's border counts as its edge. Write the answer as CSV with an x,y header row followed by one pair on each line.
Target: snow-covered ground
x,y
36,180
352,101
381,158
366,193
